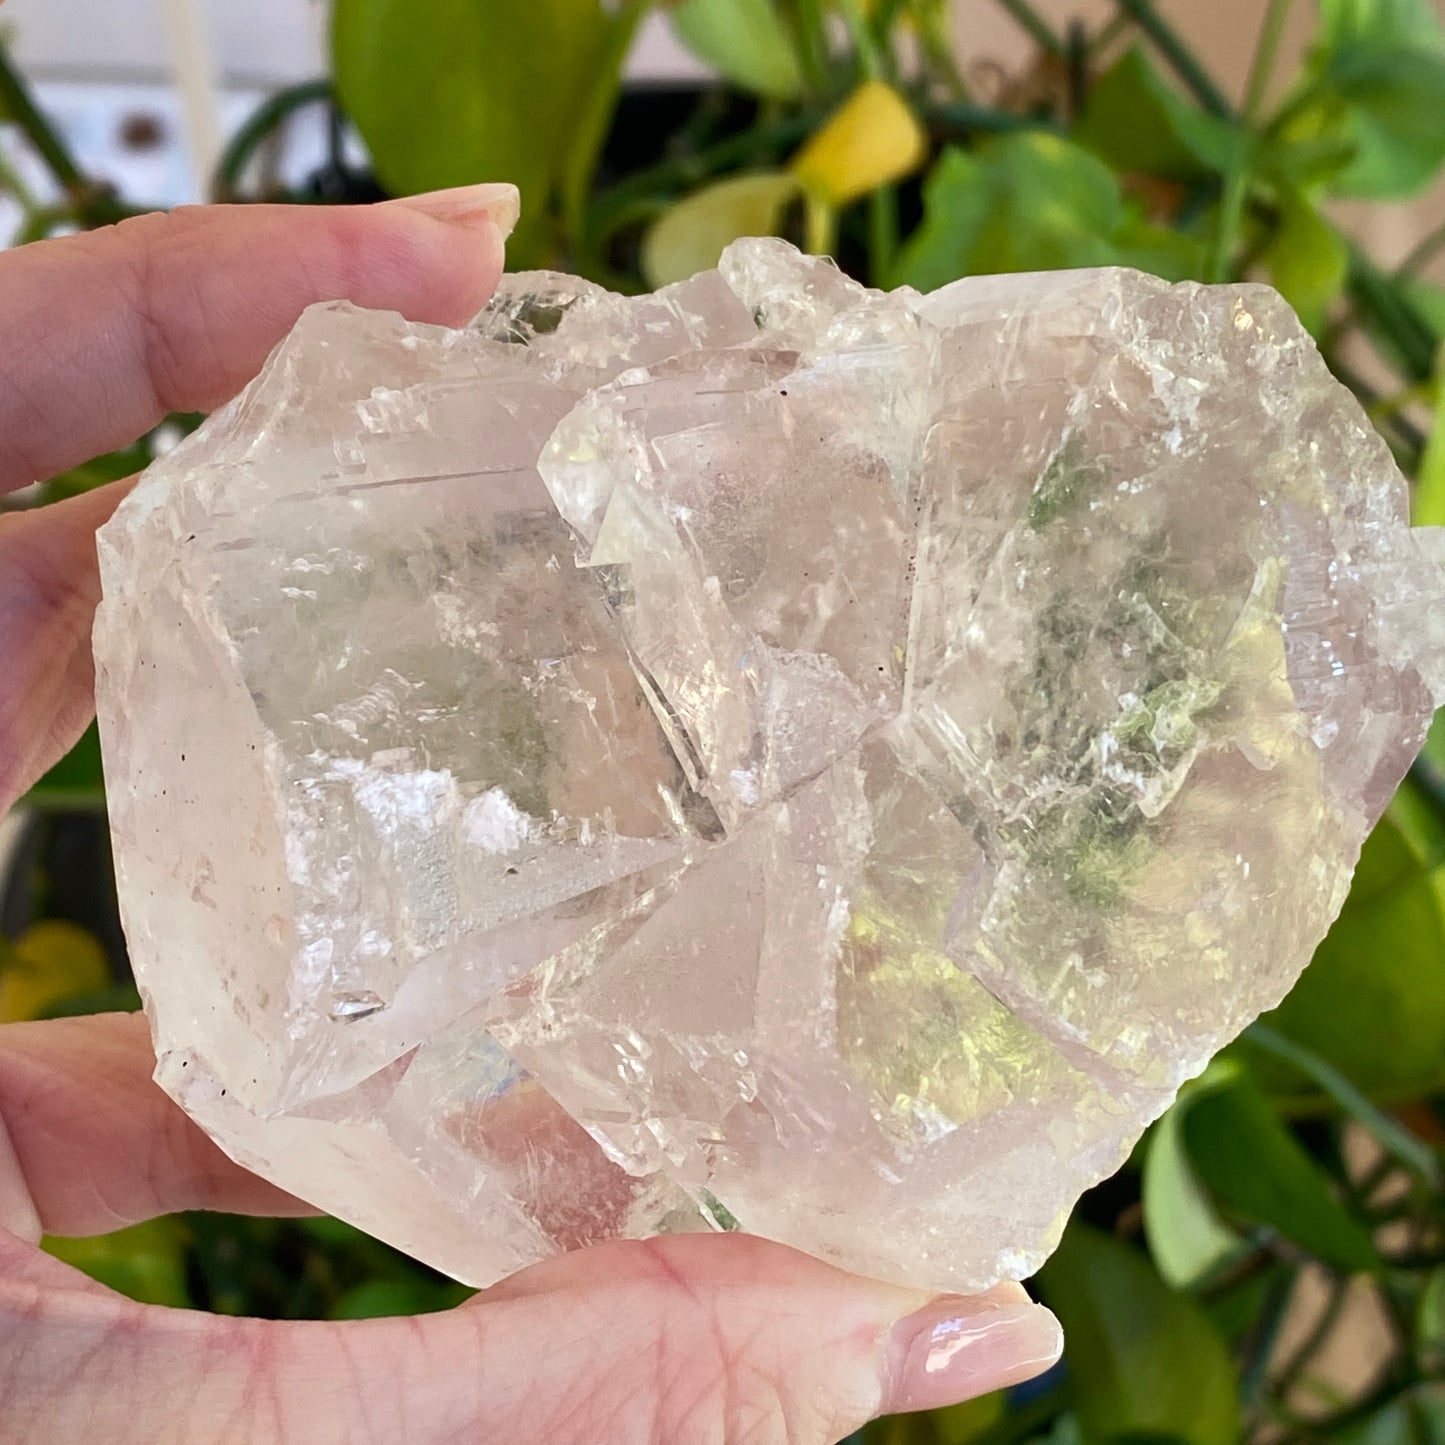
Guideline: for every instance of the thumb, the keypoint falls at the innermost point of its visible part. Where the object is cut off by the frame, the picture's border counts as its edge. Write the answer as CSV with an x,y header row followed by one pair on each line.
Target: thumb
x,y
679,1341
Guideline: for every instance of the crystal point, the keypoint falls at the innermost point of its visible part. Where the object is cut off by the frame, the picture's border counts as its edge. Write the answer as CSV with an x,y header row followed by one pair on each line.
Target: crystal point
x,y
768,754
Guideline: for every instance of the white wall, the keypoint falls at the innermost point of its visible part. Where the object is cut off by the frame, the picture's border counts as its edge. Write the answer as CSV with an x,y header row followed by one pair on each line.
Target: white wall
x,y
256,43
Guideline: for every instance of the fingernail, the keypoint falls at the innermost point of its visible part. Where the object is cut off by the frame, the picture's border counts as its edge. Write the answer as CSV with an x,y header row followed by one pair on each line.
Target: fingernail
x,y
498,202
956,1348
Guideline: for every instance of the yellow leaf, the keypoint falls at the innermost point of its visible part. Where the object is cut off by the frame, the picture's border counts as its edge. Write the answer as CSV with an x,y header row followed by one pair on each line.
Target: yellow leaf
x,y
48,963
872,140
690,236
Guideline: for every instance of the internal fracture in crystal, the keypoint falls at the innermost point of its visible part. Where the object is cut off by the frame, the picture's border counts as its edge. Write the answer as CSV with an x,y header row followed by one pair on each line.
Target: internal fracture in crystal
x,y
769,754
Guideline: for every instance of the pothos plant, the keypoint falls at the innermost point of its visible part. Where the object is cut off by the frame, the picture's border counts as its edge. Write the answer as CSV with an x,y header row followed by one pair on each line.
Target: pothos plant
x,y
1296,1189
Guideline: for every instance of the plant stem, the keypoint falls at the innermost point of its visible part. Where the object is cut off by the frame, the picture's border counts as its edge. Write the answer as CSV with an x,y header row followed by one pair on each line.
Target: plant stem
x,y
1030,19
1310,1346
90,202
1261,68
1379,297
688,170
1236,180
1392,1137
17,105
962,116
1109,34
862,38
820,227
12,181
1423,253
1181,59
932,24
277,109
882,234
812,43
596,116
1231,212
1265,1335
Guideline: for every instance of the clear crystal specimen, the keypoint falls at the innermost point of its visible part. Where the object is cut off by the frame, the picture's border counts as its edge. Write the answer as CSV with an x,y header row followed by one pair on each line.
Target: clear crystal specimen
x,y
767,754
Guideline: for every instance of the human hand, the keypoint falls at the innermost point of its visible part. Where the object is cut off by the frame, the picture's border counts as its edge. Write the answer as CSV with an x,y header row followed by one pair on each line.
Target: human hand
x,y
687,1339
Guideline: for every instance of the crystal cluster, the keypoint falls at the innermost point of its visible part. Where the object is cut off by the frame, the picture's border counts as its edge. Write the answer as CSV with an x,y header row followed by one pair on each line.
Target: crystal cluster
x,y
768,754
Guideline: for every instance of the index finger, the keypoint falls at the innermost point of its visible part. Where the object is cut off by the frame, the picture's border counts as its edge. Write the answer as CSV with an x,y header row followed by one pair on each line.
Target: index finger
x,y
104,333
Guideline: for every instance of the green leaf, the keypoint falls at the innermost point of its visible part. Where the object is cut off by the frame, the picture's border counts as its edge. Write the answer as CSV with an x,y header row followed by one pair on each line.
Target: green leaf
x,y
454,91
1351,23
743,40
76,782
1258,1170
1417,1417
1031,202
123,998
1174,255
1306,163
1144,1362
1429,303
1187,1239
690,236
1372,1001
1237,1310
1397,120
1308,260
1139,123
1379,75
956,199
384,1298
961,1424
145,1262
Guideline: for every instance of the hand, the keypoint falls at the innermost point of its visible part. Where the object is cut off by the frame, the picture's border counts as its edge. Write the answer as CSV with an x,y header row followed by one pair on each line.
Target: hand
x,y
673,1341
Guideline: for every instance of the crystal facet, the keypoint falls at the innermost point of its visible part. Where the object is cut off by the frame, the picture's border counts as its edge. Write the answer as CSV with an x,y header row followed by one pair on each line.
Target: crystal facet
x,y
765,754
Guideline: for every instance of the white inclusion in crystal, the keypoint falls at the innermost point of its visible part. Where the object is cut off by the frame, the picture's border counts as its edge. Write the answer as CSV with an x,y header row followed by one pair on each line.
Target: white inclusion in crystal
x,y
744,783
495,824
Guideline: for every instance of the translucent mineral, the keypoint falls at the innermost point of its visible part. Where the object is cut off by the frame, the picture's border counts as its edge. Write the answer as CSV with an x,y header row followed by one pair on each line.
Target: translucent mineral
x,y
767,755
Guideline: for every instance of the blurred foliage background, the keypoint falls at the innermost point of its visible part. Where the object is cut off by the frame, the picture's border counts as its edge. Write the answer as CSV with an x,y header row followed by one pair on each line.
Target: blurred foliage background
x,y
1270,1265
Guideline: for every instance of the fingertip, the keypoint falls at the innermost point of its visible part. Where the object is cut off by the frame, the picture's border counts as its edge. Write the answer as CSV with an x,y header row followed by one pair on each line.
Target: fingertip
x,y
956,1348
435,266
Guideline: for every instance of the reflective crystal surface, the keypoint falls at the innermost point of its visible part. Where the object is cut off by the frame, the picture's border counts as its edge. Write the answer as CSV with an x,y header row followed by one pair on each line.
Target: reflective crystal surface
x,y
768,754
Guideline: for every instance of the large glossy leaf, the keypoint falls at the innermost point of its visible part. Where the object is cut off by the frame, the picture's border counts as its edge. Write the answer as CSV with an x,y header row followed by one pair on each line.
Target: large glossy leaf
x,y
1187,1239
690,236
1143,1361
1138,122
1259,1172
456,91
743,40
1372,1002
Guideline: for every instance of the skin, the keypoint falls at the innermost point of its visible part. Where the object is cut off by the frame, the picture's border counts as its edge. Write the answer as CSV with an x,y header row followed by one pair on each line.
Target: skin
x,y
681,1340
